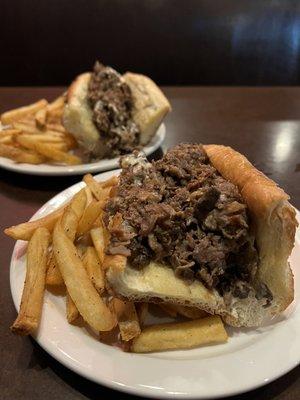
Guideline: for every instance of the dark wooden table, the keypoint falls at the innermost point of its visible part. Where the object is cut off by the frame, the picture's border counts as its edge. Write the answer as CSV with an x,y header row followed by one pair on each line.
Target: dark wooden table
x,y
262,123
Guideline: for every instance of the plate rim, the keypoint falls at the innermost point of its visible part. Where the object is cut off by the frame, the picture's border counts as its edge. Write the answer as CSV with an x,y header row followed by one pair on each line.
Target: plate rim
x,y
136,390
96,167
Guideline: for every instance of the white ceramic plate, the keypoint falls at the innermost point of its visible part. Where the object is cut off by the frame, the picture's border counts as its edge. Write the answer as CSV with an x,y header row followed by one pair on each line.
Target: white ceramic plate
x,y
251,358
102,165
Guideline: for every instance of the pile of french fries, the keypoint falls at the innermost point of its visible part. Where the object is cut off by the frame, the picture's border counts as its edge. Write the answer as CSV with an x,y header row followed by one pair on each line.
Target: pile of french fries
x,y
34,134
66,253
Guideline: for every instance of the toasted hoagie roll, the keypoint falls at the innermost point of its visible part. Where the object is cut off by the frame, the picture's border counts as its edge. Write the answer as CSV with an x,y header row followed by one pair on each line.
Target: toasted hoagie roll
x,y
239,270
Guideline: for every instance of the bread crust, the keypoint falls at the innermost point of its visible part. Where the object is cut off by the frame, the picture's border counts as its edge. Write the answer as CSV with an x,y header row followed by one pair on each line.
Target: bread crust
x,y
273,218
274,223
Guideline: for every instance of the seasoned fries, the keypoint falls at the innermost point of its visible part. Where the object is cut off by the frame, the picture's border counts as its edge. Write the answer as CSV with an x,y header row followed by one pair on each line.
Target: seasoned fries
x,y
91,213
183,335
87,300
93,268
34,134
33,292
19,155
26,230
13,115
99,242
72,310
75,260
127,319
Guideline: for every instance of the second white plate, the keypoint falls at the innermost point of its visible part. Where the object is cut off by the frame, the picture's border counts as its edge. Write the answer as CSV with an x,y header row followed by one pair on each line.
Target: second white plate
x,y
101,165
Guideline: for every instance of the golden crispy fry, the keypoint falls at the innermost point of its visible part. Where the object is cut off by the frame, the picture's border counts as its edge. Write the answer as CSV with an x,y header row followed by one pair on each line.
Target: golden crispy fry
x,y
56,127
142,311
9,140
78,203
70,140
127,318
87,300
97,236
56,155
183,335
72,310
93,268
91,213
18,113
55,116
168,309
113,181
25,230
53,276
10,132
89,196
60,146
31,141
100,192
69,223
40,117
56,104
33,292
19,155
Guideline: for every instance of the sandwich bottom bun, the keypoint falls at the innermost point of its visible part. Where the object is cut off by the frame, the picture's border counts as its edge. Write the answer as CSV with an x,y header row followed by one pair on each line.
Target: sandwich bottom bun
x,y
150,106
274,224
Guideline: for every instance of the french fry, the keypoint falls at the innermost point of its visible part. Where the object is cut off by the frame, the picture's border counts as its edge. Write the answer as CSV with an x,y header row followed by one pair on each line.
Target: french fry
x,y
18,113
56,127
97,236
60,146
10,132
72,310
183,335
142,311
99,191
89,196
93,268
53,275
33,292
90,214
56,104
19,155
69,222
31,141
55,116
25,230
127,319
6,140
87,300
56,155
70,140
113,181
78,203
40,117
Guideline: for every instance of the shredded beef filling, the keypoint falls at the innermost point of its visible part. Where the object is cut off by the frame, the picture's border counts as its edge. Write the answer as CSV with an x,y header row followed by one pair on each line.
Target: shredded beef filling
x,y
181,212
111,101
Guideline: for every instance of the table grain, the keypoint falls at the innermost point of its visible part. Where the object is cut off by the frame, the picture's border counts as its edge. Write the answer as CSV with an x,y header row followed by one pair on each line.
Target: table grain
x,y
262,123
